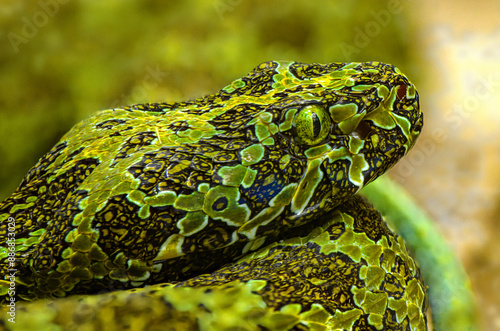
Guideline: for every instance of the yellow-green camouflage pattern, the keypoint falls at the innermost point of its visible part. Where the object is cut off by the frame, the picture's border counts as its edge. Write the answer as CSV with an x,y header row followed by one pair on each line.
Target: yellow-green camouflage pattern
x,y
178,192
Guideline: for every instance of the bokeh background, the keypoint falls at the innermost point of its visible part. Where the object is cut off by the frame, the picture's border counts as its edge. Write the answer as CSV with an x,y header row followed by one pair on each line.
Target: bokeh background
x,y
62,60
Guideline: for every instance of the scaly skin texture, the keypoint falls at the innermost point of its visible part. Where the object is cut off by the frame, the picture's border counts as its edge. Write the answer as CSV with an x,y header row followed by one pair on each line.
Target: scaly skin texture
x,y
158,193
346,271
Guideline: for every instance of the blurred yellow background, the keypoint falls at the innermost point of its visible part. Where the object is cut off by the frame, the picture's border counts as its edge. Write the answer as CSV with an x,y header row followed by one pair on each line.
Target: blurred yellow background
x,y
61,60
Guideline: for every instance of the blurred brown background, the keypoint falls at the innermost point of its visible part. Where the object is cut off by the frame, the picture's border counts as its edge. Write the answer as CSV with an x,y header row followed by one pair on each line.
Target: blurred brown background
x,y
454,171
61,60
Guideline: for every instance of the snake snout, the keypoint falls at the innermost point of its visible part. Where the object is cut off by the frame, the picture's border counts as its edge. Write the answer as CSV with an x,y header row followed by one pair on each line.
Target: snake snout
x,y
406,111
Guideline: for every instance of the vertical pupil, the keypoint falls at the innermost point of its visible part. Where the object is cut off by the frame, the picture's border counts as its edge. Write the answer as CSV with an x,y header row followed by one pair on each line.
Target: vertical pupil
x,y
316,125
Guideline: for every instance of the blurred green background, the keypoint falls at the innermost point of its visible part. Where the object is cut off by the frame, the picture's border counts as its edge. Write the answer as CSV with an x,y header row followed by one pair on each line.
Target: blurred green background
x,y
62,60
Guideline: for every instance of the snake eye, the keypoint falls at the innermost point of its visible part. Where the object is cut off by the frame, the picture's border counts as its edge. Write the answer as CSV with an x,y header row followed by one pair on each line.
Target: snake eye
x,y
311,125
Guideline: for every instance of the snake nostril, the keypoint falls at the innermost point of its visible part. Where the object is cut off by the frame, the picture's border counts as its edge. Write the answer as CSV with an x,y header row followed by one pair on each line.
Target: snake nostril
x,y
401,92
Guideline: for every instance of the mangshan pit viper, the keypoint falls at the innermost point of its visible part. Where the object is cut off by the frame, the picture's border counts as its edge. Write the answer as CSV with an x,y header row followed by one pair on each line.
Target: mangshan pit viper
x,y
237,209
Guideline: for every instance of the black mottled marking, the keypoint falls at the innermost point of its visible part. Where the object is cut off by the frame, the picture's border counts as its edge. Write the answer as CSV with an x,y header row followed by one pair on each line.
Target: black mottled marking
x,y
178,126
220,204
109,124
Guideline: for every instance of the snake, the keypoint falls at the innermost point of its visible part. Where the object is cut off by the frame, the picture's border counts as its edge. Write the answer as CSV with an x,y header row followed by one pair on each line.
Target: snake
x,y
236,210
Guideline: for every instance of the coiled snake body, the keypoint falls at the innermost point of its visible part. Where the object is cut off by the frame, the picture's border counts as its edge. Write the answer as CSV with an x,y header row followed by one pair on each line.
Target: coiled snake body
x,y
239,208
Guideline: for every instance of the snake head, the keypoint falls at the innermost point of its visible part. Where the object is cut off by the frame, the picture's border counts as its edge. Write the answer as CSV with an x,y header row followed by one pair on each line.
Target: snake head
x,y
338,126
360,117
376,119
